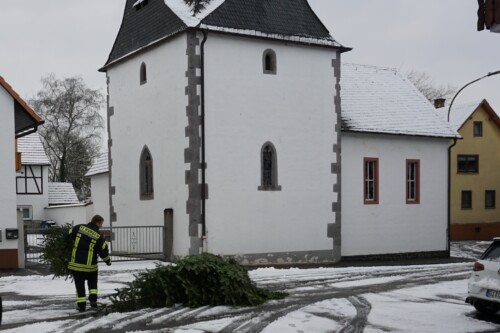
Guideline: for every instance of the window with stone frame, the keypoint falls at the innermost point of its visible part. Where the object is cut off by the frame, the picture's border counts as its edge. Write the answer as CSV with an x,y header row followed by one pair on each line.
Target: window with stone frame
x,y
412,181
146,175
370,181
143,75
269,62
269,168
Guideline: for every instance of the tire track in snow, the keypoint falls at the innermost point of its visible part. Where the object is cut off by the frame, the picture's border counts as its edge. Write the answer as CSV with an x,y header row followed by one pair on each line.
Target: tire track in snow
x,y
358,323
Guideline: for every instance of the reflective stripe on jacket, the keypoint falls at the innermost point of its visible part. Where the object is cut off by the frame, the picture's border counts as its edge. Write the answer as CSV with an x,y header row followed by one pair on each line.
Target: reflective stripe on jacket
x,y
88,243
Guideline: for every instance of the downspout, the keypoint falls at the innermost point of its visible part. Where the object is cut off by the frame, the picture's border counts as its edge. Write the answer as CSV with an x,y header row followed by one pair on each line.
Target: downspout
x,y
448,235
203,161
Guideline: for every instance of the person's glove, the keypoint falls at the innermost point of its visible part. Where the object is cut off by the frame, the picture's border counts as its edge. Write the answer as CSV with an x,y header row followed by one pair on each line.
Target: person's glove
x,y
108,262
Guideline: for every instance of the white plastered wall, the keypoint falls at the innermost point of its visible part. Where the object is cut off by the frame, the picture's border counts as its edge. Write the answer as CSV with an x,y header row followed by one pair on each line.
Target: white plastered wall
x,y
7,169
152,114
294,110
393,226
99,185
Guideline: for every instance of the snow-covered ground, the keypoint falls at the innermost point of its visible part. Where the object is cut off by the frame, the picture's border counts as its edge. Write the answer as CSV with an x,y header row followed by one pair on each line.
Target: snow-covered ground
x,y
410,298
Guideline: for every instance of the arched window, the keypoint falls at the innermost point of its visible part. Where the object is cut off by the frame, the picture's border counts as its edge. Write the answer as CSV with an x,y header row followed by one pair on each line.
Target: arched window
x,y
143,74
269,61
146,175
269,168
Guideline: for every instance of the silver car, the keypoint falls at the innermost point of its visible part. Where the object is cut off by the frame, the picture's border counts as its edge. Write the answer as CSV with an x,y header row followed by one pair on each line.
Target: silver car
x,y
484,283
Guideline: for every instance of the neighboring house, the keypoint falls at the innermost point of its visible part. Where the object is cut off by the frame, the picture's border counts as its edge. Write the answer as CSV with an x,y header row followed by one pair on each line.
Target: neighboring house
x,y
32,178
64,206
475,172
394,167
99,187
40,200
224,123
18,120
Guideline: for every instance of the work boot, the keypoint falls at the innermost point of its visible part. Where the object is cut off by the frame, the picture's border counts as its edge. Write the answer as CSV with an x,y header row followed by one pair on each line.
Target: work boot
x,y
80,307
93,305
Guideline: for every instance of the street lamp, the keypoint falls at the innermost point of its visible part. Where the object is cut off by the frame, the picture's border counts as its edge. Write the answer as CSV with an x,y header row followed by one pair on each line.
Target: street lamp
x,y
468,84
449,156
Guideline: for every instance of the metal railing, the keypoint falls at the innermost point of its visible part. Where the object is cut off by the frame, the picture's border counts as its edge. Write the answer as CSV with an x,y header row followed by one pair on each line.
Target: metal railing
x,y
126,243
135,243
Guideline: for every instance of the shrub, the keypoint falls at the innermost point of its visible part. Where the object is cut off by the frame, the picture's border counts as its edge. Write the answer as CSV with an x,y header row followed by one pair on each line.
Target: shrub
x,y
57,249
195,281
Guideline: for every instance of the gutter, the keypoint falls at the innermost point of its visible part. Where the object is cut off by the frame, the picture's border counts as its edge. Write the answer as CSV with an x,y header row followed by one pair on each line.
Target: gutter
x,y
29,130
448,233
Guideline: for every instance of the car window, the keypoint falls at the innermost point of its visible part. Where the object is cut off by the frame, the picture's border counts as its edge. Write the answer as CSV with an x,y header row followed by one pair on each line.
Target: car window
x,y
493,252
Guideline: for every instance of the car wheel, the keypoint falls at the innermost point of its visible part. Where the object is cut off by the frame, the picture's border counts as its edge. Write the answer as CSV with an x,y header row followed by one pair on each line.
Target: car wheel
x,y
486,308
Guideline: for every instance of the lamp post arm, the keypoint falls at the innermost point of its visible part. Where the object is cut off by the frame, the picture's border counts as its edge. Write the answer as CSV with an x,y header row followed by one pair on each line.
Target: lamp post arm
x,y
468,84
458,92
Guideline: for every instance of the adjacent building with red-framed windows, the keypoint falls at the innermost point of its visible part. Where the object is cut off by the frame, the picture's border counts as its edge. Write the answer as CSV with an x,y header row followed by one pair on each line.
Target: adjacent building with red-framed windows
x,y
474,172
394,167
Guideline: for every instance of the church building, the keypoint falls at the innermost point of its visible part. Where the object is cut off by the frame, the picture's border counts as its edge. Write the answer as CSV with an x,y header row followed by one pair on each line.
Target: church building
x,y
224,126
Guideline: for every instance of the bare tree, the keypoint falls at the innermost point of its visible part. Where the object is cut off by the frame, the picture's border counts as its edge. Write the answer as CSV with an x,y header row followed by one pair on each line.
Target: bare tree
x,y
426,85
71,133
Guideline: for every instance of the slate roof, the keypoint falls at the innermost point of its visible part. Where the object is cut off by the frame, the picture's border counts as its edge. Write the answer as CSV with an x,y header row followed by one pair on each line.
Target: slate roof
x,y
100,166
62,194
460,113
382,100
32,151
148,22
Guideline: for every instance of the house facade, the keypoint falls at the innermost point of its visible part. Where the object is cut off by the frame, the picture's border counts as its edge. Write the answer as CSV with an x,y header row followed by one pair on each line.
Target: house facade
x,y
475,176
32,178
224,126
394,162
18,120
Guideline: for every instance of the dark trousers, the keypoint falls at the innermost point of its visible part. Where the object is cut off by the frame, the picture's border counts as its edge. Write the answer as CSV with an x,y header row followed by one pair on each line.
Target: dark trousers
x,y
80,278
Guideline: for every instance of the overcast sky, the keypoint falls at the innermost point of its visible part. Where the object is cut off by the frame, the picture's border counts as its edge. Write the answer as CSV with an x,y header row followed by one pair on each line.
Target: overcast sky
x,y
438,37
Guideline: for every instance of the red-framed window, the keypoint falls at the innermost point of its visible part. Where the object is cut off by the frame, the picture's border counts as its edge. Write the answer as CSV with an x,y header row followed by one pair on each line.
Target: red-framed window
x,y
370,180
412,181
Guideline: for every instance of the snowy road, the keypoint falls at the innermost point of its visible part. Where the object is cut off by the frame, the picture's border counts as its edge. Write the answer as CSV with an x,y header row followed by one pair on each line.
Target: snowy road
x,y
415,298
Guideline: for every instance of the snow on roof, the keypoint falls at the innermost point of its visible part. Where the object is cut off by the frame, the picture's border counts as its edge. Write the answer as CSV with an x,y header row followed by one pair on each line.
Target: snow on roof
x,y
460,112
298,39
32,151
100,165
62,193
382,100
190,15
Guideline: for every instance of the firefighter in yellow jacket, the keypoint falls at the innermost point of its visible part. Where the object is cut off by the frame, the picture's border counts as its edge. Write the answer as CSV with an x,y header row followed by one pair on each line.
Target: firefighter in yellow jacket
x,y
88,243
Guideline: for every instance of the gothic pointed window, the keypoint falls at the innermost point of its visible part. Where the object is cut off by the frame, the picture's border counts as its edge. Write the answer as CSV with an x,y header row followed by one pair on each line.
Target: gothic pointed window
x,y
269,61
146,175
269,168
143,74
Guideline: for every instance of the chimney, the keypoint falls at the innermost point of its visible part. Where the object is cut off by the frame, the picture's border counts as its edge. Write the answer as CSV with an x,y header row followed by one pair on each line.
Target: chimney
x,y
439,103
